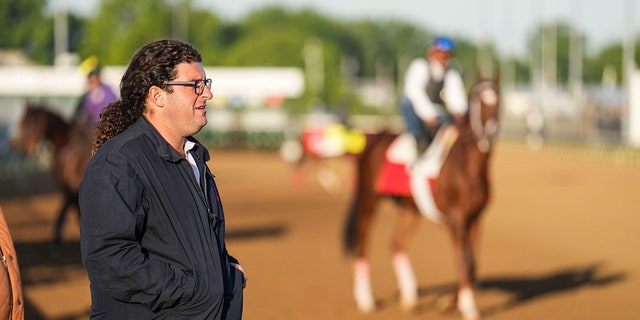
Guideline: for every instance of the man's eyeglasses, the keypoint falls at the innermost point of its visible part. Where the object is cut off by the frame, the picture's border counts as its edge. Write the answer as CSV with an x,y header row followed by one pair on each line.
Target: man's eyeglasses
x,y
198,85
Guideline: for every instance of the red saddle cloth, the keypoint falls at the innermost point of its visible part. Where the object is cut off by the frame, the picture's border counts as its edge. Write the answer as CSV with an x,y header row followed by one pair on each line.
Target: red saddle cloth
x,y
393,179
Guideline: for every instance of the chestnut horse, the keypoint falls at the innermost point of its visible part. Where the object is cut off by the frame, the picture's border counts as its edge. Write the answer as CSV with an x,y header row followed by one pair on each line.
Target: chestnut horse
x,y
71,149
460,193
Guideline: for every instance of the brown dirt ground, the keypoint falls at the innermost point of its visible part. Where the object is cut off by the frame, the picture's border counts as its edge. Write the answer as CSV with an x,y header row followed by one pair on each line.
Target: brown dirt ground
x,y
560,241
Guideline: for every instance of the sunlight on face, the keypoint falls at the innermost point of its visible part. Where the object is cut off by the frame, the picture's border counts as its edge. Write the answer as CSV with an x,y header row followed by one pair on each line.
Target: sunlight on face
x,y
443,57
185,109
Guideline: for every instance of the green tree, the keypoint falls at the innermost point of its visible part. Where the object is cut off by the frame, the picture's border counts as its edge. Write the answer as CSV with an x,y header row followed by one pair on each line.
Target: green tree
x,y
466,60
276,37
273,37
593,65
24,26
391,42
207,33
609,57
123,26
77,29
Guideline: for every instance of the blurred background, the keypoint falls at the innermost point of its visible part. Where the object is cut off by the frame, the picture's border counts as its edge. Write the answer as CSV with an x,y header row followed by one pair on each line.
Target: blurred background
x,y
568,75
566,69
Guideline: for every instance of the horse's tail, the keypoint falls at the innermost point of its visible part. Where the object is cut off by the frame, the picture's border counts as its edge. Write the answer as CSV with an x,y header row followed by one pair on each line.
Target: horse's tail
x,y
351,226
363,187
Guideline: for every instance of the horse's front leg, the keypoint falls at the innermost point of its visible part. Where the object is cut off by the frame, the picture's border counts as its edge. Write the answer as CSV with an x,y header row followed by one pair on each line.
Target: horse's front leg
x,y
461,229
407,224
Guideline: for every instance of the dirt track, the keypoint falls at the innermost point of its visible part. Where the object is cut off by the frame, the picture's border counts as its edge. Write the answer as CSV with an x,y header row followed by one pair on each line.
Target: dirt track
x,y
560,241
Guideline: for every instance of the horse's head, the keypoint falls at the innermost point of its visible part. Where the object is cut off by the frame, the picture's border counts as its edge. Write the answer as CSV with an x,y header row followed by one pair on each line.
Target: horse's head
x,y
34,126
484,110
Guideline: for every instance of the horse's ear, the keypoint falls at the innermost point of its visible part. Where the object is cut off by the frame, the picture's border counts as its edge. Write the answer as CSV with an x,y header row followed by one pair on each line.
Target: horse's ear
x,y
496,76
35,107
479,76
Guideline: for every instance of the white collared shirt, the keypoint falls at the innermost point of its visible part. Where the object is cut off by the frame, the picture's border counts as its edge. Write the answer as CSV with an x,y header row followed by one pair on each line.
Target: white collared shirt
x,y
415,84
188,145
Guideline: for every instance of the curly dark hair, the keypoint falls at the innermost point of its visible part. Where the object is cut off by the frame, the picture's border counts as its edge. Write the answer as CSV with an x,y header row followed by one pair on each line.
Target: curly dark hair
x,y
152,65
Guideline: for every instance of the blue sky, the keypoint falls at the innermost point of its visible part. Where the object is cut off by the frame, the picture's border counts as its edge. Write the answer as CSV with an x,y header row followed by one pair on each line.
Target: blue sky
x,y
507,23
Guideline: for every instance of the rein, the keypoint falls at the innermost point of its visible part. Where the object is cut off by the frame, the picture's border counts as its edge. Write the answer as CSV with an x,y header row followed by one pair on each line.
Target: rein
x,y
484,132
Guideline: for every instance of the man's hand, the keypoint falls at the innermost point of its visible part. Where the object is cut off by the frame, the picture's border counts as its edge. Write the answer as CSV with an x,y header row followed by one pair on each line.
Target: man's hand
x,y
432,123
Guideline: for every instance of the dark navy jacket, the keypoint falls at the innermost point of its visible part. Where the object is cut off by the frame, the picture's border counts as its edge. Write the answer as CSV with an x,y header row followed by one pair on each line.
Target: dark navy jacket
x,y
152,240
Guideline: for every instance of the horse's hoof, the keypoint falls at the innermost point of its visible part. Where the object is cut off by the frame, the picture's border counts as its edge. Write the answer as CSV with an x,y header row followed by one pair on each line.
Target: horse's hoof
x,y
366,306
475,316
467,305
364,301
408,305
470,314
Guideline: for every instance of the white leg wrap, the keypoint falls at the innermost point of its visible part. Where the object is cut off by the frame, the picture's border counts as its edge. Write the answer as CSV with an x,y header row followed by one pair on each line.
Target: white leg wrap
x,y
467,304
406,280
362,286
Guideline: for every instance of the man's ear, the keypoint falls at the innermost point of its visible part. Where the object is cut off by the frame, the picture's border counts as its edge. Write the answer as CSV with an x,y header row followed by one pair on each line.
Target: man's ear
x,y
156,96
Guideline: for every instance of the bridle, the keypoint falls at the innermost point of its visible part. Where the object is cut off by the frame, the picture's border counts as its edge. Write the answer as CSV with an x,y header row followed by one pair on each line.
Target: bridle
x,y
484,92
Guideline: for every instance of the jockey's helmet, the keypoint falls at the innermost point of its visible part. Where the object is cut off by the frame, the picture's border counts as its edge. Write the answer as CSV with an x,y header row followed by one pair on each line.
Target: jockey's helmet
x,y
444,44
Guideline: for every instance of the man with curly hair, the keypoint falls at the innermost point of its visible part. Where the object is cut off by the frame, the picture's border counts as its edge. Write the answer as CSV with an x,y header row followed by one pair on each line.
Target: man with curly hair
x,y
152,224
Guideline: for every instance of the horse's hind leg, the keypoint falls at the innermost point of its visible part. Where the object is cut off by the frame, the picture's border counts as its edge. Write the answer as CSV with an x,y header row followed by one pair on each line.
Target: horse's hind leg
x,y
69,201
57,231
407,225
362,292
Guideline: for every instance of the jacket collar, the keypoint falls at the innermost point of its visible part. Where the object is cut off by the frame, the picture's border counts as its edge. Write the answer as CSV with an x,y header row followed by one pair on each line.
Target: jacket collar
x,y
163,148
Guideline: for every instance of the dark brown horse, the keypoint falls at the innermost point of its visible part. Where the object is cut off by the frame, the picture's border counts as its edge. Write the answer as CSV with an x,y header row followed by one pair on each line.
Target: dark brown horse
x,y
71,149
460,193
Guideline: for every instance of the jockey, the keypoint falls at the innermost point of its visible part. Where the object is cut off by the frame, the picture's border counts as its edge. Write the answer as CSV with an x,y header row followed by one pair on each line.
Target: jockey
x,y
433,93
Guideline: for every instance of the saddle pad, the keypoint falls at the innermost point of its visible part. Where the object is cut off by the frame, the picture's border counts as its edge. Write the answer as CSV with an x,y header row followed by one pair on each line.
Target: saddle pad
x,y
393,179
398,179
402,150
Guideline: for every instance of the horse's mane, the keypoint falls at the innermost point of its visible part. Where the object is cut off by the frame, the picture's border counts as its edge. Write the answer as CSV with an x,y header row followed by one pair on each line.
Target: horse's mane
x,y
55,127
43,111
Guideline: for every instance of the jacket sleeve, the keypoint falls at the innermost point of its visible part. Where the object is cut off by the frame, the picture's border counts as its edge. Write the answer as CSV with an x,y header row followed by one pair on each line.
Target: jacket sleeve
x,y
112,219
454,92
415,86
